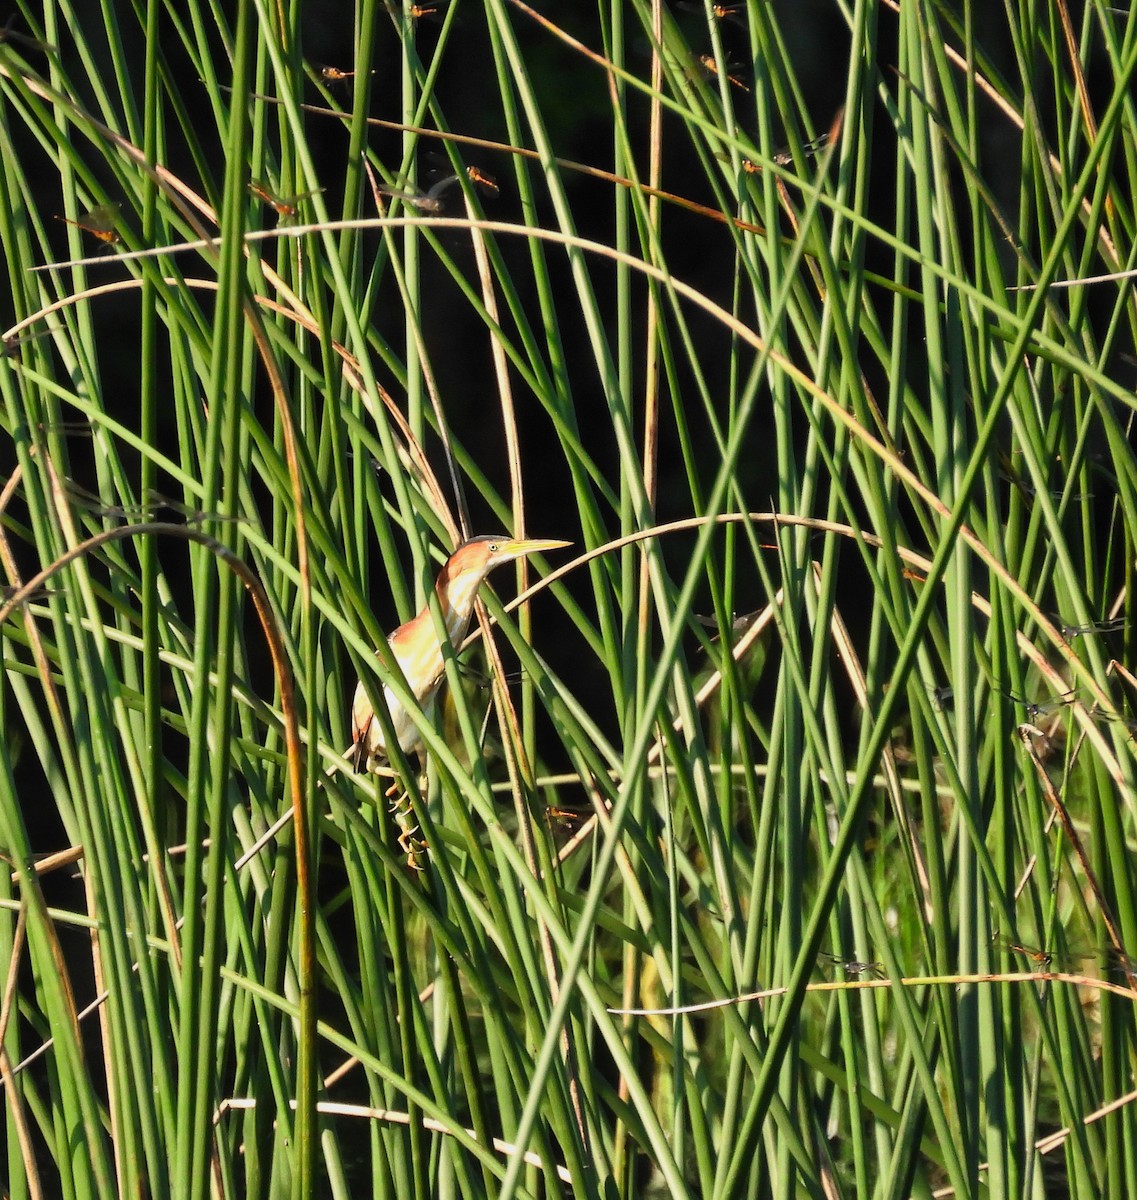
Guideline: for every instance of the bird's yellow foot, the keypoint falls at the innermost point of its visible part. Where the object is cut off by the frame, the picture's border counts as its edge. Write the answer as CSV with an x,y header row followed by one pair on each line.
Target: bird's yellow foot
x,y
413,846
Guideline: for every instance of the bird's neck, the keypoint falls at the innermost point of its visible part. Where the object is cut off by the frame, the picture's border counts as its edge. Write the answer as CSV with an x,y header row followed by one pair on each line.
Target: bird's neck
x,y
456,598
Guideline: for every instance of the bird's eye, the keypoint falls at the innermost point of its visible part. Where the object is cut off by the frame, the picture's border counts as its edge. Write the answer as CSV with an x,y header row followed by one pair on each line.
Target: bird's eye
x,y
494,547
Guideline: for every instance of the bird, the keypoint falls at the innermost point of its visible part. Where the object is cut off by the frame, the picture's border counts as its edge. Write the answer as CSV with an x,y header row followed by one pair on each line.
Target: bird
x,y
418,651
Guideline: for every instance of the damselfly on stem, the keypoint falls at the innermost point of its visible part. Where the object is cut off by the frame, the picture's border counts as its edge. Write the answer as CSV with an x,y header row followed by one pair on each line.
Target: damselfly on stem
x,y
99,223
784,157
1042,708
711,66
1109,625
735,13
434,11
338,79
433,201
286,206
1044,958
852,966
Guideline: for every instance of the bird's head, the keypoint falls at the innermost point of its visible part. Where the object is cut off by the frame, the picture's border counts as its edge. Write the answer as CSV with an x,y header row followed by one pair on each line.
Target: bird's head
x,y
474,560
481,554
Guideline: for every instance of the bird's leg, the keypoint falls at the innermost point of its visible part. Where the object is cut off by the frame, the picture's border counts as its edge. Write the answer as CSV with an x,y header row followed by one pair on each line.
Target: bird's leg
x,y
410,843
413,846
364,760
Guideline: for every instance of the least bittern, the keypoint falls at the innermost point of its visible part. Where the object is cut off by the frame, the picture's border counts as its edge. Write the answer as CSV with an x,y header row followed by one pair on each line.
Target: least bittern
x,y
418,650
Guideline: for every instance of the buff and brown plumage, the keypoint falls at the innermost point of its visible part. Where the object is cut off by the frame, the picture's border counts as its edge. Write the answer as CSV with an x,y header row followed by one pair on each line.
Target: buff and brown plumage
x,y
417,648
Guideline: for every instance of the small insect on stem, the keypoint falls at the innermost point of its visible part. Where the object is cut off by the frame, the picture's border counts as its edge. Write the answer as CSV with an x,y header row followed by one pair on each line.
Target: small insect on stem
x,y
810,149
942,696
712,68
417,12
99,223
852,966
739,622
433,201
286,206
1034,709
565,818
734,13
1119,961
487,183
1109,625
784,158
335,78
426,202
1044,958
1114,961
